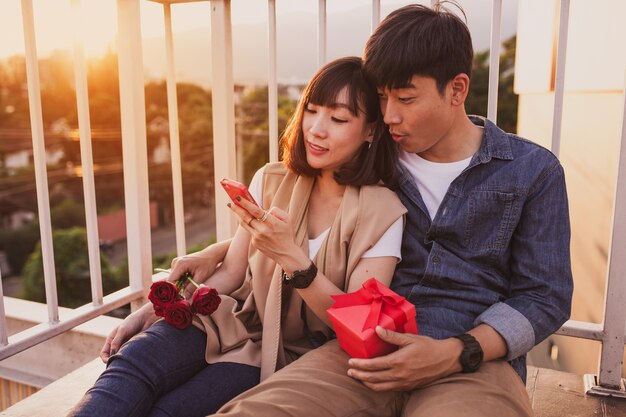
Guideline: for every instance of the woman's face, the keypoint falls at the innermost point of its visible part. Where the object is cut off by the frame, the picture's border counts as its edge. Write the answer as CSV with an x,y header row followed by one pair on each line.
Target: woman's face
x,y
333,135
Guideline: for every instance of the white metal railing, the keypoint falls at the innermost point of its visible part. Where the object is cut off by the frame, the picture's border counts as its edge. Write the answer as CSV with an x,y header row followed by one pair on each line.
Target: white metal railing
x,y
135,181
494,60
4,337
172,107
39,157
611,333
272,82
86,157
321,33
559,79
223,111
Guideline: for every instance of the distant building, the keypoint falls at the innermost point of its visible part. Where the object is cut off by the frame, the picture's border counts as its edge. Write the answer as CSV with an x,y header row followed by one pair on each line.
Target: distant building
x,y
16,148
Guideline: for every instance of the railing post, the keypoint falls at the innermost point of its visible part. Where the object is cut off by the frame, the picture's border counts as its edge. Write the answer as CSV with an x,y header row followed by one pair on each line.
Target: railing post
x,y
86,158
321,33
272,84
559,79
494,60
4,336
39,156
172,111
375,14
134,146
223,112
609,376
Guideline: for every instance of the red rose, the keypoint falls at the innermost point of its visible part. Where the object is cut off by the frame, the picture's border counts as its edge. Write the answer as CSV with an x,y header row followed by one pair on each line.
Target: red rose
x,y
178,314
159,310
205,300
161,294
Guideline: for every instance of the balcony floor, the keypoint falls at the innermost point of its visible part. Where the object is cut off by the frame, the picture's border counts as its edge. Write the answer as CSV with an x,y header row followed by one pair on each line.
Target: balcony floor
x,y
552,393
555,394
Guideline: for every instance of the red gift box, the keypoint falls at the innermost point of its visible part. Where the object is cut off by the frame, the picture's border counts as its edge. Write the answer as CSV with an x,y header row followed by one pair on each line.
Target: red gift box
x,y
356,315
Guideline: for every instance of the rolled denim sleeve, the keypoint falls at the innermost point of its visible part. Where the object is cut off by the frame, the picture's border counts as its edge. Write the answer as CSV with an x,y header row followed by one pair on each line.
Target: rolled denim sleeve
x,y
541,282
512,325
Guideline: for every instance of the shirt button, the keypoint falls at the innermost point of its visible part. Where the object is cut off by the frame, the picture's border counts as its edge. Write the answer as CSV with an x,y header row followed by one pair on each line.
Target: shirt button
x,y
436,259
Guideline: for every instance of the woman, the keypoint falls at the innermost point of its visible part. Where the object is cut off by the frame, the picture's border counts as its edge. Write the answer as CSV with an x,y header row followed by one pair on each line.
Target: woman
x,y
330,228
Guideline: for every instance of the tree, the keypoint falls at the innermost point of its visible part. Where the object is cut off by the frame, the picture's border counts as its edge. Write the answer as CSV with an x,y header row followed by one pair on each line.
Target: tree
x,y
72,270
476,102
19,243
13,93
253,127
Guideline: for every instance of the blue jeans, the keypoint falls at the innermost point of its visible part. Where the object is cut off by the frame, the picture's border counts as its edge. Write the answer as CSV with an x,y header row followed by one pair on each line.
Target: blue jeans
x,y
162,372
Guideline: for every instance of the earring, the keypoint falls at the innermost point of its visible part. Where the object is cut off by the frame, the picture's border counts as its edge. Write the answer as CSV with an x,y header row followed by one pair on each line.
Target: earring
x,y
369,145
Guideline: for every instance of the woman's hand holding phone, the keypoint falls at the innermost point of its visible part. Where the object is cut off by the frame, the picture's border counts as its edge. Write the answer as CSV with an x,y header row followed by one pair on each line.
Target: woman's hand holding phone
x,y
272,232
236,189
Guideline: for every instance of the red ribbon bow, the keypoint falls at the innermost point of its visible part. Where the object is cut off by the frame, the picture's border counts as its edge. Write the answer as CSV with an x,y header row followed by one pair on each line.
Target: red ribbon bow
x,y
381,300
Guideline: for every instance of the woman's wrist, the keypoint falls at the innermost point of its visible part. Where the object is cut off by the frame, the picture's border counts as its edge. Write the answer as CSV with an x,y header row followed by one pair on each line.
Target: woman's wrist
x,y
298,262
216,251
146,313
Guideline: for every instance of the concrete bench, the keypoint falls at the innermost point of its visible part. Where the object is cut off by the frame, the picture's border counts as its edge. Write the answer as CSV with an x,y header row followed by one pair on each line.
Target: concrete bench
x,y
58,398
552,393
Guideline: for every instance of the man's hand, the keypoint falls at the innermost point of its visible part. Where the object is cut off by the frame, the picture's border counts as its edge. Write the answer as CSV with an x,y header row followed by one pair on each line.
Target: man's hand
x,y
418,361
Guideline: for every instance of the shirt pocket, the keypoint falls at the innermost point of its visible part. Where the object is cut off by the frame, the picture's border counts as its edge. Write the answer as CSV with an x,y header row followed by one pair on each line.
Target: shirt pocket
x,y
490,220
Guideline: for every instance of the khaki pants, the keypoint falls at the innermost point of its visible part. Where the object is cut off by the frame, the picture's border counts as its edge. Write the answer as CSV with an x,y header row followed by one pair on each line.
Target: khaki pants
x,y
317,385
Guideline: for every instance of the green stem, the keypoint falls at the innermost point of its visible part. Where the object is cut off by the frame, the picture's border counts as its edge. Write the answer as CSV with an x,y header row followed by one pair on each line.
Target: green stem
x,y
192,281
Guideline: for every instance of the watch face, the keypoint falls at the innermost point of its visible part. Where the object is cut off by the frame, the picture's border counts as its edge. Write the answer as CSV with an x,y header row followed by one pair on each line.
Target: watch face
x,y
475,358
472,354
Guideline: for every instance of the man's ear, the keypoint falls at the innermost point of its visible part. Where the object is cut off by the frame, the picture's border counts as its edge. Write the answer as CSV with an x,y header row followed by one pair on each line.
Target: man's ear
x,y
460,88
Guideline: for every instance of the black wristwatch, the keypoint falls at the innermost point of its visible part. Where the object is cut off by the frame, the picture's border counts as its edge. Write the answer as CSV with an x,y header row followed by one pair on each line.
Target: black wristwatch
x,y
301,279
472,354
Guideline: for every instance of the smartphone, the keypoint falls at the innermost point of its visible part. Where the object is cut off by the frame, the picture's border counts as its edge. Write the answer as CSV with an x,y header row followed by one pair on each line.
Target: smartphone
x,y
236,189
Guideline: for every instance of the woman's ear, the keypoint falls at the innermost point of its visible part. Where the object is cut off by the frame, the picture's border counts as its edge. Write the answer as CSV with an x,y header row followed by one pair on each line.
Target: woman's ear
x,y
460,88
369,137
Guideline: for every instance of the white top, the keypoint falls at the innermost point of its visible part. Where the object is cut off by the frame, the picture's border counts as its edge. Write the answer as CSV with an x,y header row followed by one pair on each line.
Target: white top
x,y
389,243
432,178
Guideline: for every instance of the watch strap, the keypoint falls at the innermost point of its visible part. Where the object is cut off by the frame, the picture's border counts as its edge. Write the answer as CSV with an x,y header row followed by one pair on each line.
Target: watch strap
x,y
472,354
300,279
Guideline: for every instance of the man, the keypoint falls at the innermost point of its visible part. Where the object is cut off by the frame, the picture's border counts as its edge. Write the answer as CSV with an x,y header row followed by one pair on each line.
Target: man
x,y
485,255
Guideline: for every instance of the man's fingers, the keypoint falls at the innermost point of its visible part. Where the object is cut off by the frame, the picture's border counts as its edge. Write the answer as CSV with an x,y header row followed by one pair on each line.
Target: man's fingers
x,y
387,380
395,338
371,377
383,386
380,363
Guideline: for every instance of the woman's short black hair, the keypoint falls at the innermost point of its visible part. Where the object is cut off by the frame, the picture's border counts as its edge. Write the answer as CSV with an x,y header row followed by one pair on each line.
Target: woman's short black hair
x,y
371,164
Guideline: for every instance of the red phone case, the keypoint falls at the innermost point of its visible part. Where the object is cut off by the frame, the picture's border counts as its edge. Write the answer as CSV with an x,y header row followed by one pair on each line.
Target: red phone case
x,y
234,188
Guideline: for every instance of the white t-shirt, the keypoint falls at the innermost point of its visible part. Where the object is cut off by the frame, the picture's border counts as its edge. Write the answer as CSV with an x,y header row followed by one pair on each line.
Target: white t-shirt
x,y
432,178
389,244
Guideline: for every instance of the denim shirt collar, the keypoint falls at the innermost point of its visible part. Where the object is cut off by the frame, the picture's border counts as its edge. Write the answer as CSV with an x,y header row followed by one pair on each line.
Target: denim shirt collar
x,y
495,142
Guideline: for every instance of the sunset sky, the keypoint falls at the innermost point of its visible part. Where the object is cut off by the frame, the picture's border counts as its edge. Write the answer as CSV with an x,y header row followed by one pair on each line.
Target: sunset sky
x,y
52,19
55,31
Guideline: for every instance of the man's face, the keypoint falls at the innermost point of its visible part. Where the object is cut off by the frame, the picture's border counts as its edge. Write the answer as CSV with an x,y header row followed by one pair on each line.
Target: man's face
x,y
419,117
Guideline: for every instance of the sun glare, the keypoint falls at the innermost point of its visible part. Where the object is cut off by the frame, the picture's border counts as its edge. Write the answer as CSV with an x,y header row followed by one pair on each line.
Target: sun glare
x,y
96,26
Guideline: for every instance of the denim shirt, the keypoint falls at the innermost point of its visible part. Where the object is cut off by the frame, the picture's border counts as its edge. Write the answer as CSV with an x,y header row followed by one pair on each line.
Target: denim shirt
x,y
497,251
